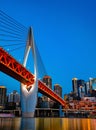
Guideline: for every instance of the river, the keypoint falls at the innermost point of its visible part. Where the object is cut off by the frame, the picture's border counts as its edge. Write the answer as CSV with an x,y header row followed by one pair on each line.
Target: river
x,y
47,124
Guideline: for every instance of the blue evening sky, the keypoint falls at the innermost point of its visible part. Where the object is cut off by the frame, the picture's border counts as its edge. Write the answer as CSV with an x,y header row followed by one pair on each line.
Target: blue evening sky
x,y
65,33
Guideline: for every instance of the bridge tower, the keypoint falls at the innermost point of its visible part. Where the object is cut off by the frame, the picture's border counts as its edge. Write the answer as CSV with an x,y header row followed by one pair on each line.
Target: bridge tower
x,y
29,93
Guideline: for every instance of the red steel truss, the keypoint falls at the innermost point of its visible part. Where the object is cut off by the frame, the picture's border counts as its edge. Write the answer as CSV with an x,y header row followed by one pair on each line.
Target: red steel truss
x,y
13,68
48,92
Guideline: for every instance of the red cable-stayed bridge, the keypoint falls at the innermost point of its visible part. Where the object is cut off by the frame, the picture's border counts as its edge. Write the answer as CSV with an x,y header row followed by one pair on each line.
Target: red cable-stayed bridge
x,y
14,69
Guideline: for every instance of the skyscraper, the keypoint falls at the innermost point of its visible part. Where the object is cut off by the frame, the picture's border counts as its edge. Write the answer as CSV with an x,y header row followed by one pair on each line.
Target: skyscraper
x,y
2,96
81,88
48,81
92,83
74,85
58,89
78,87
14,97
87,87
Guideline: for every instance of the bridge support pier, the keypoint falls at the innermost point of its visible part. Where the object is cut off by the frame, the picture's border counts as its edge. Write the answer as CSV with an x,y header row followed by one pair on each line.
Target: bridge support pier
x,y
29,100
60,111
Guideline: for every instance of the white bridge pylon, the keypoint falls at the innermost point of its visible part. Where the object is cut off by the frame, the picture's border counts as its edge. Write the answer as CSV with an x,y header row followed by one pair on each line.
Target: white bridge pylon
x,y
29,93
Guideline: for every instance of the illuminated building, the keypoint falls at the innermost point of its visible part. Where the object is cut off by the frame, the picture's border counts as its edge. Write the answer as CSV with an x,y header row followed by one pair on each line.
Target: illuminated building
x,y
74,85
66,96
2,97
58,89
81,88
92,83
78,87
87,88
48,81
13,101
14,97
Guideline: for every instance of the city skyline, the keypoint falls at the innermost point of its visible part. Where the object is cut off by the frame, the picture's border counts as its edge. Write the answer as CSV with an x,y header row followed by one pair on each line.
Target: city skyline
x,y
64,32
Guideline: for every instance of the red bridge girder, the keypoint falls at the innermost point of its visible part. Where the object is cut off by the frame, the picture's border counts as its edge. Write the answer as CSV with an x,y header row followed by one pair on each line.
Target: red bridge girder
x,y
48,92
13,68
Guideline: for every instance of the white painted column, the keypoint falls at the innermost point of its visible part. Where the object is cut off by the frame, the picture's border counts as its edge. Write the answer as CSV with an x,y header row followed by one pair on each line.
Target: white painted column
x,y
29,98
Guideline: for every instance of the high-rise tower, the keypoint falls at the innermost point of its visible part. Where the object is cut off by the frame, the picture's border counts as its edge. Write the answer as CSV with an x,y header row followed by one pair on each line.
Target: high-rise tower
x,y
74,85
58,89
78,87
2,96
48,81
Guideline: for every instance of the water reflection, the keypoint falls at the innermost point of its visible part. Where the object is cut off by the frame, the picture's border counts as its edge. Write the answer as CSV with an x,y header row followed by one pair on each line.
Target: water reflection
x,y
47,124
10,123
